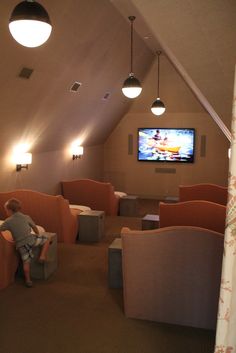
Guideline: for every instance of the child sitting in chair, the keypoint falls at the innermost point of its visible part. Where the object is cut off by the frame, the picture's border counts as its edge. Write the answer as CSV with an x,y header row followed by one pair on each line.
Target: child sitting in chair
x,y
20,226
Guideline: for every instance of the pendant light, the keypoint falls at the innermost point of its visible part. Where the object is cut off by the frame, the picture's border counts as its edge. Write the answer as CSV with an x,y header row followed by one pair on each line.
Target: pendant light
x,y
30,24
158,107
131,87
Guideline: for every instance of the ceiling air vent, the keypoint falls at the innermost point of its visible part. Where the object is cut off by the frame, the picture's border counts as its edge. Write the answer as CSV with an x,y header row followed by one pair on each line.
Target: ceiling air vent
x,y
76,85
25,73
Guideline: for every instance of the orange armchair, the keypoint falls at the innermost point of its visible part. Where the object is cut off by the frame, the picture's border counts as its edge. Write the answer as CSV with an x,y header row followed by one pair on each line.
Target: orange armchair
x,y
172,275
8,260
209,192
198,213
51,212
95,194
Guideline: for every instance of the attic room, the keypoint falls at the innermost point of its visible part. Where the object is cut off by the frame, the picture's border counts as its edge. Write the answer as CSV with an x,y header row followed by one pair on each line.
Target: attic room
x,y
68,91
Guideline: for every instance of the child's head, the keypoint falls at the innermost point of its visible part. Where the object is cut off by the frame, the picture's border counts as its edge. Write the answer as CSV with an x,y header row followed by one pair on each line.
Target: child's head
x,y
12,206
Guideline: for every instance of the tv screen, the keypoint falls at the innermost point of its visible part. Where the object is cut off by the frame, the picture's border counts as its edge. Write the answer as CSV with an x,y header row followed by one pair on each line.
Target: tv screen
x,y
166,145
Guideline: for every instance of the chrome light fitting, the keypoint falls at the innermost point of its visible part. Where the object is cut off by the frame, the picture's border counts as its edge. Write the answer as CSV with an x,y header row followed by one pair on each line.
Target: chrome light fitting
x,y
131,87
158,107
30,24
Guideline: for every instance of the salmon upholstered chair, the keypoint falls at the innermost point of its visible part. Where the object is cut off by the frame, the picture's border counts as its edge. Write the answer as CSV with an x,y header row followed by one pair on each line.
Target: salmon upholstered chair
x,y
198,213
51,212
209,192
97,195
172,275
8,259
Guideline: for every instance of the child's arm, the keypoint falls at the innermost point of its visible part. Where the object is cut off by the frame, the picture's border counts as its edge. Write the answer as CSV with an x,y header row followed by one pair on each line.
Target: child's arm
x,y
35,229
4,226
32,224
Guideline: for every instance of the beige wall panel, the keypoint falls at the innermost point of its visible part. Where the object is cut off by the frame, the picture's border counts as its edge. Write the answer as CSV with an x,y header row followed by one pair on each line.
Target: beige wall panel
x,y
48,169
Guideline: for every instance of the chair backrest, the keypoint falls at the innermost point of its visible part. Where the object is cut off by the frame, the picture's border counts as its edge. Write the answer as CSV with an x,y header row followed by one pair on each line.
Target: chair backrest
x,y
198,213
208,192
51,212
8,261
95,194
172,275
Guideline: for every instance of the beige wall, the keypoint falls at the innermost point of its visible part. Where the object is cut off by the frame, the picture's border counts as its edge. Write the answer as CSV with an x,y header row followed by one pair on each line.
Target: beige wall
x,y
183,110
48,169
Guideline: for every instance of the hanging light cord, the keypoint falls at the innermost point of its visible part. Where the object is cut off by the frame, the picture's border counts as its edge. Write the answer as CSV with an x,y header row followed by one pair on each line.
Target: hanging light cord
x,y
158,73
131,18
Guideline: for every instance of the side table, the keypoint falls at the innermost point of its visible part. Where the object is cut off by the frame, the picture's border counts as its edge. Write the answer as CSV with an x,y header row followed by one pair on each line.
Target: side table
x,y
129,206
115,278
44,270
91,225
150,221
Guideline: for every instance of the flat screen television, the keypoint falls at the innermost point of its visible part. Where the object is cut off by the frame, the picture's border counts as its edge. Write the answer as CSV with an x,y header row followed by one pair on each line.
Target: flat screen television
x,y
166,145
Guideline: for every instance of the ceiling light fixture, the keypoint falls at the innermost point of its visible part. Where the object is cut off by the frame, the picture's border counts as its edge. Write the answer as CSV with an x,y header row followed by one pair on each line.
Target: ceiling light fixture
x,y
30,24
158,107
131,87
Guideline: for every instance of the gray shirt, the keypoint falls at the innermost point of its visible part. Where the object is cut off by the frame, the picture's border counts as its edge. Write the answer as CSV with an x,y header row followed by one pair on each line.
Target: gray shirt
x,y
19,225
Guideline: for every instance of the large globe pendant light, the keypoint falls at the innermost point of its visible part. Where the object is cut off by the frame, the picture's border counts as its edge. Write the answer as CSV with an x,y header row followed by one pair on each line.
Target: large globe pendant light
x,y
131,87
158,107
30,24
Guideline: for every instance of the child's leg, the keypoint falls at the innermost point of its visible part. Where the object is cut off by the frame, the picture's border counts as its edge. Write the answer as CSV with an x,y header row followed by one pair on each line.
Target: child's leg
x,y
44,250
25,252
26,268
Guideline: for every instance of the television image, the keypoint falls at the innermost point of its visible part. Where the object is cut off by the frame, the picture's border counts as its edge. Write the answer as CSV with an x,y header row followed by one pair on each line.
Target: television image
x,y
166,145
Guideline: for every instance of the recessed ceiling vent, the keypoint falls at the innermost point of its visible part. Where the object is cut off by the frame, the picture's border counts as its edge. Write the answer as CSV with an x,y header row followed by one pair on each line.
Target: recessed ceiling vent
x,y
76,85
25,73
106,96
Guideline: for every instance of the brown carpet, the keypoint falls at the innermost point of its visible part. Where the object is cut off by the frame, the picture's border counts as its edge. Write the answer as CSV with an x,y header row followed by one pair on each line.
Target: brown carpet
x,y
75,311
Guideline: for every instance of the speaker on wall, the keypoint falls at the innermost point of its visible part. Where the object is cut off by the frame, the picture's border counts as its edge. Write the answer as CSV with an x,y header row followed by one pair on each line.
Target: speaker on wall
x,y
130,144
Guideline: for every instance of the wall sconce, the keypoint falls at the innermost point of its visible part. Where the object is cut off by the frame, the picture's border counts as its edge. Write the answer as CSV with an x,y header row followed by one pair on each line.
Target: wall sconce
x,y
77,152
23,160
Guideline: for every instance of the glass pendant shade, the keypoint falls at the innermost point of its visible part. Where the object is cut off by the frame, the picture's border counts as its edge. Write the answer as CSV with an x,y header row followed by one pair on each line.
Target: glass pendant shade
x,y
131,87
30,24
158,107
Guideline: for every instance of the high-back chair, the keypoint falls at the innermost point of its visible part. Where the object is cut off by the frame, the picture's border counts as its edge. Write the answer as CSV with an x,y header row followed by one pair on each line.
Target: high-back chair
x,y
198,213
209,192
172,275
97,195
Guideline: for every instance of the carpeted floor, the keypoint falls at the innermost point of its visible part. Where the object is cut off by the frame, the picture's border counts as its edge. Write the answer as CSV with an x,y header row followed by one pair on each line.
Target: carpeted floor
x,y
75,311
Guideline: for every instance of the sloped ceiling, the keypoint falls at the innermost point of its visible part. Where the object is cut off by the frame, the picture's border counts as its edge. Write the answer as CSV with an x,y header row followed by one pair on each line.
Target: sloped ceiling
x,y
200,35
90,43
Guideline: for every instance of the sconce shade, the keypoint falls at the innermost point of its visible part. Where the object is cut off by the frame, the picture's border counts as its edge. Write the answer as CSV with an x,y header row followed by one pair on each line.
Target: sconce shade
x,y
30,24
77,152
22,160
131,87
158,107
